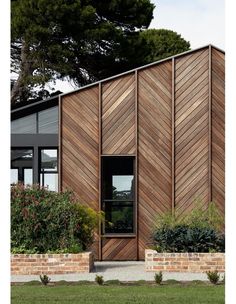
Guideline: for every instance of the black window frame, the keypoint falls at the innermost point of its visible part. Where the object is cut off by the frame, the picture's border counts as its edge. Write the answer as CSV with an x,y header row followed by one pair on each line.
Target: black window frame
x,y
133,200
43,172
21,174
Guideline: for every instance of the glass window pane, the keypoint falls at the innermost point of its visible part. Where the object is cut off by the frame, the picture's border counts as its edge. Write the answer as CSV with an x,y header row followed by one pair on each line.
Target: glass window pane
x,y
48,121
28,176
14,176
118,194
122,187
22,161
118,217
118,178
23,125
49,160
49,180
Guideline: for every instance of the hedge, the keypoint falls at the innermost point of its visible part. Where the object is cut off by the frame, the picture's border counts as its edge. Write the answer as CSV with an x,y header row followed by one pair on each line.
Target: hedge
x,y
43,221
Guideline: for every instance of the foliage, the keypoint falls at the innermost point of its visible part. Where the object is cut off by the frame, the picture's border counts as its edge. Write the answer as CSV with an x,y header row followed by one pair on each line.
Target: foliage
x,y
82,41
23,249
158,277
213,276
199,231
156,44
183,238
99,280
202,216
53,39
44,221
44,279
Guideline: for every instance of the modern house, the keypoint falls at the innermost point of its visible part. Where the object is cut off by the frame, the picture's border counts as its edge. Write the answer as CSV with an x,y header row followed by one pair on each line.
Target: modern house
x,y
136,145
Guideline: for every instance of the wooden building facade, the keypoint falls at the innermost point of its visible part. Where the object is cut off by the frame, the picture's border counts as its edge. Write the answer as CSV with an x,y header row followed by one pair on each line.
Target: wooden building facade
x,y
143,143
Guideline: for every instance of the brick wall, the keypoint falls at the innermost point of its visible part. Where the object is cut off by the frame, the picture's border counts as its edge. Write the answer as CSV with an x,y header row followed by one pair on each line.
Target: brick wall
x,y
51,263
184,262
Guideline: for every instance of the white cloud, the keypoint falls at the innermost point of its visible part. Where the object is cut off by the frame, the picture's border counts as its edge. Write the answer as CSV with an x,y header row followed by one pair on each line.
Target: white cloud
x,y
199,21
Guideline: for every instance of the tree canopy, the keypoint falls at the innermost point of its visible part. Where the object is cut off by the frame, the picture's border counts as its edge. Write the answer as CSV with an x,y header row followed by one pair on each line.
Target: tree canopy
x,y
84,40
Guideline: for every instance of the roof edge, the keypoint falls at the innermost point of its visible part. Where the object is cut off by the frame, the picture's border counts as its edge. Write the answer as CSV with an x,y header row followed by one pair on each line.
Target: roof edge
x,y
140,68
116,76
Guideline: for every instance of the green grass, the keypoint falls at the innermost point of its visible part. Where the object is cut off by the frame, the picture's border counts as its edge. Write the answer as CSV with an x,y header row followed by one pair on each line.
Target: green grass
x,y
113,294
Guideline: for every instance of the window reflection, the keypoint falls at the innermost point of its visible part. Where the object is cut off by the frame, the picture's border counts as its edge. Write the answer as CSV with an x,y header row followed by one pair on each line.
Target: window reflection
x,y
28,176
14,176
118,194
43,122
122,186
119,217
22,166
24,125
49,159
48,169
48,121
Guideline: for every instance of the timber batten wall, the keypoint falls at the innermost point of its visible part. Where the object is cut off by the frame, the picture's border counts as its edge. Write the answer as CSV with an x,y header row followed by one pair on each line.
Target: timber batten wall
x,y
170,117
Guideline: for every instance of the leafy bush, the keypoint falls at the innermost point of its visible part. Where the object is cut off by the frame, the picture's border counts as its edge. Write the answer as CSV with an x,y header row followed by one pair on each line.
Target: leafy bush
x,y
158,277
213,276
198,232
44,279
183,238
44,221
99,279
205,216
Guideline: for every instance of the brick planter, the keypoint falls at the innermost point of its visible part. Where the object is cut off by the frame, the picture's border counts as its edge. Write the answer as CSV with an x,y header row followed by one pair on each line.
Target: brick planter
x,y
37,264
184,262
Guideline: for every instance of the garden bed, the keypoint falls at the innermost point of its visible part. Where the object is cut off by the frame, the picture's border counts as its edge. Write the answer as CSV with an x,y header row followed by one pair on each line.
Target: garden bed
x,y
36,264
184,262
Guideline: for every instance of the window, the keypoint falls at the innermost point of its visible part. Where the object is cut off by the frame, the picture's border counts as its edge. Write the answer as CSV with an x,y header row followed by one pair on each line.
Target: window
x,y
118,194
14,176
24,125
48,169
22,166
48,121
43,122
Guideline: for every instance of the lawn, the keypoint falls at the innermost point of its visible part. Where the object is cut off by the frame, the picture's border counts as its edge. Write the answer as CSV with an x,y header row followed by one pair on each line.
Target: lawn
x,y
113,294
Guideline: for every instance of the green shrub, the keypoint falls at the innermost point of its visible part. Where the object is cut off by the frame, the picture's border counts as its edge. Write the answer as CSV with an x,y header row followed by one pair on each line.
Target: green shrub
x,y
183,238
158,277
44,279
99,280
44,221
197,232
205,216
213,276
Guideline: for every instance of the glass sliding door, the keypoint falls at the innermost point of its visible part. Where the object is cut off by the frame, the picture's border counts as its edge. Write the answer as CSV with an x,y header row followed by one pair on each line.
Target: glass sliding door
x,y
118,195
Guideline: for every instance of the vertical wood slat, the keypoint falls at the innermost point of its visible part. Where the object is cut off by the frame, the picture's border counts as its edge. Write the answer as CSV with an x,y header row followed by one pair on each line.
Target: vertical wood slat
x,y
136,163
173,137
210,130
218,129
191,131
99,168
59,146
154,148
118,116
80,148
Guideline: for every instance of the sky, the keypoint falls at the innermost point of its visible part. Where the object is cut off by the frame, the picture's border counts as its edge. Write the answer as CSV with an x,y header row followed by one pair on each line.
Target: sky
x,y
201,22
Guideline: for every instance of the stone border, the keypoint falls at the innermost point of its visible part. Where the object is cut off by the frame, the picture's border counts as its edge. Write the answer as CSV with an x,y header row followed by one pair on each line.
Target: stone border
x,y
184,262
36,264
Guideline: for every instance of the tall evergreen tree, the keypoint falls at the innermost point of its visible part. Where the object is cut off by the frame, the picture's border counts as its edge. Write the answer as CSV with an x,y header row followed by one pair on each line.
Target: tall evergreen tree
x,y
83,40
